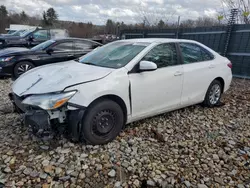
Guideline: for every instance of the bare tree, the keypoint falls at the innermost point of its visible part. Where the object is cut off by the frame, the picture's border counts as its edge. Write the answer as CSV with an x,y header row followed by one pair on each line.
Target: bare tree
x,y
153,17
187,24
200,22
241,5
206,22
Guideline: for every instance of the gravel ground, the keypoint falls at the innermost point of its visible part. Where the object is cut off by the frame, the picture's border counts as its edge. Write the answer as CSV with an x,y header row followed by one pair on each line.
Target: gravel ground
x,y
192,147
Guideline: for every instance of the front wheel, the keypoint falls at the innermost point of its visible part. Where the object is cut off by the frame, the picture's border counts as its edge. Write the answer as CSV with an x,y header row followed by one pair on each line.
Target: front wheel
x,y
22,67
213,94
102,122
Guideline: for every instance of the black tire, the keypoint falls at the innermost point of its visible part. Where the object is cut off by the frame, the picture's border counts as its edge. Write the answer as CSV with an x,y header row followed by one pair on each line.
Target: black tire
x,y
24,65
208,101
102,122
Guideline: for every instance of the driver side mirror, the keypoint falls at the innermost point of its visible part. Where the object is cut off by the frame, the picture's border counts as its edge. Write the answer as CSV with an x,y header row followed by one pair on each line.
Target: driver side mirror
x,y
147,66
31,37
49,51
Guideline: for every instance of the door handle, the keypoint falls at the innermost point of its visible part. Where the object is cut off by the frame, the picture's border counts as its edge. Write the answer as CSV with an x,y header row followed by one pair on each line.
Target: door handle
x,y
211,66
70,55
178,73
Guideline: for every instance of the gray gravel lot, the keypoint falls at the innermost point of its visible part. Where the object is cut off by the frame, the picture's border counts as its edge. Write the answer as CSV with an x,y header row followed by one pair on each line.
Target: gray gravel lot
x,y
192,147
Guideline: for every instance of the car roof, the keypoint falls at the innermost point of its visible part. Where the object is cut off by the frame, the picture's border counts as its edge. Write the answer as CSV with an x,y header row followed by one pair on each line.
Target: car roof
x,y
72,38
158,40
167,40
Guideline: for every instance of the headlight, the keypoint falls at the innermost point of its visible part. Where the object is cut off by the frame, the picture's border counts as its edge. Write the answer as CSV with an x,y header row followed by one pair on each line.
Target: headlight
x,y
5,59
49,101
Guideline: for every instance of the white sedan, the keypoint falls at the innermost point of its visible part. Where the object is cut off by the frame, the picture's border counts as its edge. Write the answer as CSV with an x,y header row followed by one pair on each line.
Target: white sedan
x,y
121,82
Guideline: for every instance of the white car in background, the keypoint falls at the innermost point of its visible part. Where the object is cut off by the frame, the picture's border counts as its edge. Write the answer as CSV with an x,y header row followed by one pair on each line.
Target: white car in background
x,y
119,83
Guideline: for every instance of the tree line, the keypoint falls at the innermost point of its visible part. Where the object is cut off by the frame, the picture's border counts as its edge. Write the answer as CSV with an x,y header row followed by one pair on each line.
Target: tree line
x,y
49,19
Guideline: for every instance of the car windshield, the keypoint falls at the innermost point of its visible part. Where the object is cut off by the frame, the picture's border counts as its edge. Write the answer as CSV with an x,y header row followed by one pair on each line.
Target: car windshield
x,y
27,32
114,55
43,45
18,33
11,31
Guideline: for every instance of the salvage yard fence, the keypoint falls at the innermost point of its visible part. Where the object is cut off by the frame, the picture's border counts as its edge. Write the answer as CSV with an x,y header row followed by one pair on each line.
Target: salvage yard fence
x,y
232,41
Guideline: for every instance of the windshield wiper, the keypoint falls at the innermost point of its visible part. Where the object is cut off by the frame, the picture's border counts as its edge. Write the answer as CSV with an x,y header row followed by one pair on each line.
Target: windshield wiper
x,y
89,63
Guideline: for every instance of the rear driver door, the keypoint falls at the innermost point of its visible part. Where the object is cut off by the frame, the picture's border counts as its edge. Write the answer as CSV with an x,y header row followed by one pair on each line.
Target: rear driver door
x,y
199,71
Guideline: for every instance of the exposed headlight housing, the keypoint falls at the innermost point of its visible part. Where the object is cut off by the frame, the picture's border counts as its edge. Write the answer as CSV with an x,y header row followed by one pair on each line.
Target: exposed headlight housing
x,y
49,101
6,59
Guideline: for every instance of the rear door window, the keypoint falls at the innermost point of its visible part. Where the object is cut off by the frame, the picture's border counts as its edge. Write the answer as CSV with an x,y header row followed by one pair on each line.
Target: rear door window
x,y
83,45
193,53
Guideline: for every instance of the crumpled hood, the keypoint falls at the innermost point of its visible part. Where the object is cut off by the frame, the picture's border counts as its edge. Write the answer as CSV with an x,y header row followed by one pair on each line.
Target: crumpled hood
x,y
12,51
56,77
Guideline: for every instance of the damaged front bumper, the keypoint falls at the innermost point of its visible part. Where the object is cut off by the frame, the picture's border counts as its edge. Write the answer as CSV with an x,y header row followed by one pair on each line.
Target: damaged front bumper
x,y
39,122
45,123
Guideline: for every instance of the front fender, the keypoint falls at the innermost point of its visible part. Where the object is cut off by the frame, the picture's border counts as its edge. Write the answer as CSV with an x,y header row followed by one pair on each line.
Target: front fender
x,y
117,83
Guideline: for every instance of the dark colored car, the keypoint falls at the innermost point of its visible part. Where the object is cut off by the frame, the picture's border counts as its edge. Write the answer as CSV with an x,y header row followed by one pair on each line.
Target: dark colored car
x,y
16,33
16,61
31,37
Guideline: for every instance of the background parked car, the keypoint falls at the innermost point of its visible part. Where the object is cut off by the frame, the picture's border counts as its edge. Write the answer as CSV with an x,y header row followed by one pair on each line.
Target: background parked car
x,y
16,61
16,27
16,33
11,32
32,37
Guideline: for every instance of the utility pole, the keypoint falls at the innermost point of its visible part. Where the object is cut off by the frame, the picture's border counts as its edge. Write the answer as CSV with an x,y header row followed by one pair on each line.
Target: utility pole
x,y
178,26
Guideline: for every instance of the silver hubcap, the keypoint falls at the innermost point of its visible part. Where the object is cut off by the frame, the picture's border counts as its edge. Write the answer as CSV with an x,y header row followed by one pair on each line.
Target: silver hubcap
x,y
214,94
23,68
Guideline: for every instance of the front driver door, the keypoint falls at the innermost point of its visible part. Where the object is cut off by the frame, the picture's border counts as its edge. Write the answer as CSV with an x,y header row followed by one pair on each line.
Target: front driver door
x,y
62,51
157,91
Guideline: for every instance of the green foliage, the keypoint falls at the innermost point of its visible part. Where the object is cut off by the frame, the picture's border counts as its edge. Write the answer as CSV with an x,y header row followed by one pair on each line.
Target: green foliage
x,y
3,12
23,16
220,17
161,24
245,14
49,17
109,26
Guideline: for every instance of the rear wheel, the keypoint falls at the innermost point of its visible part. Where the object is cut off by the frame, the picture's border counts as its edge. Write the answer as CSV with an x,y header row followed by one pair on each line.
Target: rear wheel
x,y
103,122
22,67
213,94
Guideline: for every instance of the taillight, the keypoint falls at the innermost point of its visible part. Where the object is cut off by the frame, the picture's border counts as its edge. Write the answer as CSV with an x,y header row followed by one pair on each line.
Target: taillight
x,y
230,65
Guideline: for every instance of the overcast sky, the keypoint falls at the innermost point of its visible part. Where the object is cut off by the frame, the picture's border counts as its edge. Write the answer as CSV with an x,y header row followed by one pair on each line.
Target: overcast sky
x,y
129,11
